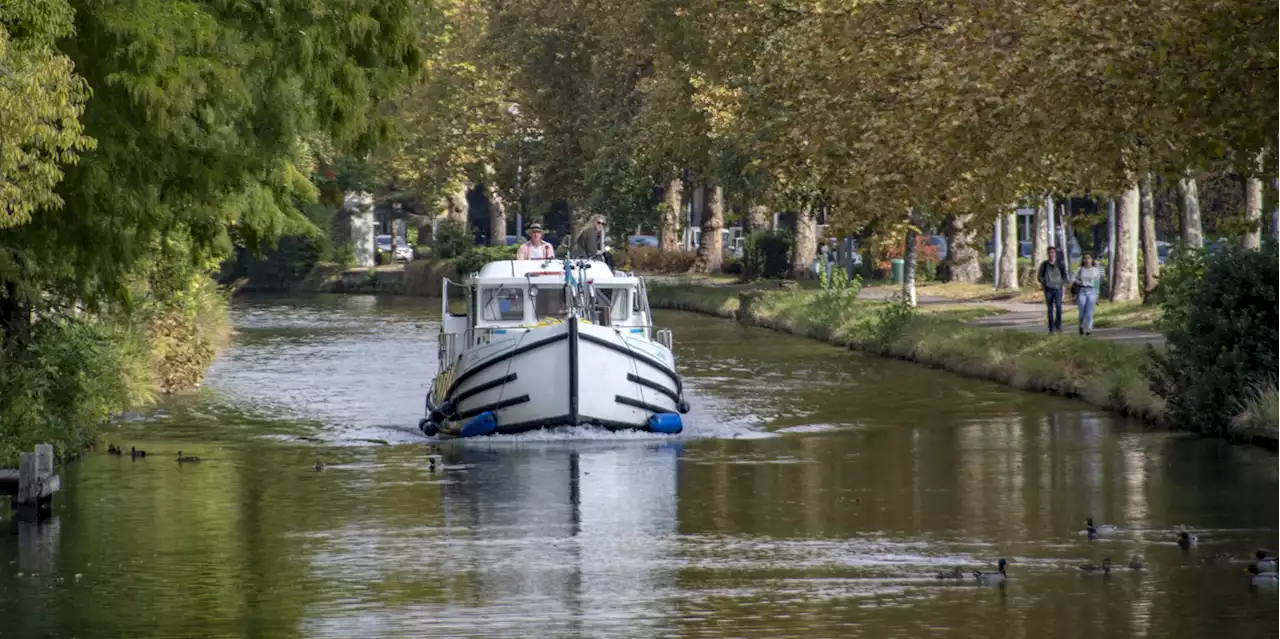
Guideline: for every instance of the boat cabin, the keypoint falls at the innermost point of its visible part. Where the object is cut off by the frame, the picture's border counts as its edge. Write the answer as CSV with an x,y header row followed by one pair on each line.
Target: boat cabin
x,y
513,296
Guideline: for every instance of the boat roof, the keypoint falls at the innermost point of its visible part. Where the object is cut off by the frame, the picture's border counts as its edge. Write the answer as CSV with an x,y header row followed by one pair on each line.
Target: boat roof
x,y
505,271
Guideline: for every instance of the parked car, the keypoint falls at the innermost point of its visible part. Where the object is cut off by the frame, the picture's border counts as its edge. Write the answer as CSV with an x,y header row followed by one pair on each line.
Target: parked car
x,y
939,242
383,243
404,253
638,241
512,240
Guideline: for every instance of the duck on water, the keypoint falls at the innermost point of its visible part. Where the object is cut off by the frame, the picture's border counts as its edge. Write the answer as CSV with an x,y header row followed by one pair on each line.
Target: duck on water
x,y
545,343
993,578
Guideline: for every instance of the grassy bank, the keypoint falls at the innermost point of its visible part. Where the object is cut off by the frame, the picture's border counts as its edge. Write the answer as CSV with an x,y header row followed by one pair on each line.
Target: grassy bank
x,y
1259,416
76,371
1102,373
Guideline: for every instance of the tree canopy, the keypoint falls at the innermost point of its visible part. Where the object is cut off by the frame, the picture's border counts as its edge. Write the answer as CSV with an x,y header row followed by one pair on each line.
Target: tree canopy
x,y
201,117
877,108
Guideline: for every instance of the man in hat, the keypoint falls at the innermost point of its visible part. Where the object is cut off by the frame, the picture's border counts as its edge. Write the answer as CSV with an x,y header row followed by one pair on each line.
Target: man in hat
x,y
535,248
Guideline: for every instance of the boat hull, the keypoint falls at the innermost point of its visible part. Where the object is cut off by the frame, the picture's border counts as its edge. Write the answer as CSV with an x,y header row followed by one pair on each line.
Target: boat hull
x,y
567,374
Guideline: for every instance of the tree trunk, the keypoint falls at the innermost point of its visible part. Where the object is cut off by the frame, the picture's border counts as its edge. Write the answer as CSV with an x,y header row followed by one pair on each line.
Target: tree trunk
x,y
497,208
711,246
669,238
15,317
806,243
909,268
456,205
1150,256
962,264
757,219
1189,207
1125,284
1009,252
1040,232
1253,208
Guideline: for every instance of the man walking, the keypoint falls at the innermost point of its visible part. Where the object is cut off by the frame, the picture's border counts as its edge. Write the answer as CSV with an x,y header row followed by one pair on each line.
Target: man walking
x,y
1052,276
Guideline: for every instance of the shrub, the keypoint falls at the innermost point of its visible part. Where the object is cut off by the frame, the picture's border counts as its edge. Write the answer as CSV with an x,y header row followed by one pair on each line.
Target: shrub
x,y
184,330
344,255
621,259
452,239
1219,317
927,258
69,379
421,251
767,254
1259,414
731,266
647,259
474,258
383,258
836,296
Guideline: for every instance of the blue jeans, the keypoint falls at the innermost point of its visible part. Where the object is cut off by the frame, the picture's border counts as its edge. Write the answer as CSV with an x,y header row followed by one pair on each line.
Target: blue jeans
x,y
1086,300
1053,300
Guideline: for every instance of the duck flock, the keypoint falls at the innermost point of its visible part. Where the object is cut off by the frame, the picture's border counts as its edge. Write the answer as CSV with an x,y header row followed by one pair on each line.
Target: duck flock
x,y
1262,566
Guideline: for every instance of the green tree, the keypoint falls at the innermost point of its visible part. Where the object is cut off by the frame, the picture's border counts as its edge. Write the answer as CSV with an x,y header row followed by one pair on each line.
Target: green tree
x,y
41,100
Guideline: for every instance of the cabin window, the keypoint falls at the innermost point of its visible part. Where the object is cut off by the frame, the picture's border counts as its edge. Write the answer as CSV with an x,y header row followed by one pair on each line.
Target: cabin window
x,y
503,305
549,301
615,299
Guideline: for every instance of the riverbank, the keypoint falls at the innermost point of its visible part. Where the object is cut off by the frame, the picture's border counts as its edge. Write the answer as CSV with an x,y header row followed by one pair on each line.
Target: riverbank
x,y
421,278
74,373
1108,375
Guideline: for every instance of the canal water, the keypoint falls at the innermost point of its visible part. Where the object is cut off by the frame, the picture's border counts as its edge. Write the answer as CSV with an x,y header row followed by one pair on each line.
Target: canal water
x,y
815,493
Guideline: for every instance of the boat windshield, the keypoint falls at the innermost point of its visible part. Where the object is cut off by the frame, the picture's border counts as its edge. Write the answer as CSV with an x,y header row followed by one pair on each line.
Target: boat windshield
x,y
549,301
502,305
615,298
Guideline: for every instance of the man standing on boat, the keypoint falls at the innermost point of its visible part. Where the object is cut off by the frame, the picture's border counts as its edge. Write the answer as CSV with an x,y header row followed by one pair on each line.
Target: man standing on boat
x,y
535,248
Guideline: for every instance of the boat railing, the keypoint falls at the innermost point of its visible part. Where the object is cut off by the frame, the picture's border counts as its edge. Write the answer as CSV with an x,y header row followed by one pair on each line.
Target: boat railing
x,y
664,336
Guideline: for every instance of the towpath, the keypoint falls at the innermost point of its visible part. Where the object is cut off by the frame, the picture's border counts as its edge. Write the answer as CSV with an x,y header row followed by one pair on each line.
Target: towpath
x,y
1025,316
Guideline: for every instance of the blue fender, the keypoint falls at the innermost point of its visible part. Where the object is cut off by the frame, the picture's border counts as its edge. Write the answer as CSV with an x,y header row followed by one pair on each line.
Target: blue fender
x,y
485,423
667,423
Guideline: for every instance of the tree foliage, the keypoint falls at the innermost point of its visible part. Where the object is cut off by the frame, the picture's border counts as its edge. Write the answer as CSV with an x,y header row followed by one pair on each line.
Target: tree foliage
x,y
1220,317
880,108
41,100
202,112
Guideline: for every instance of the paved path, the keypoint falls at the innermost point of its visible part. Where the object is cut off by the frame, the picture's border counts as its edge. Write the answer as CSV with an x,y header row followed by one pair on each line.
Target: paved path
x,y
1023,316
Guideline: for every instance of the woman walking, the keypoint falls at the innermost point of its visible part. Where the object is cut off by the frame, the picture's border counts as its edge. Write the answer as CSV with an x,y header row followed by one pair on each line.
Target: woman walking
x,y
1088,278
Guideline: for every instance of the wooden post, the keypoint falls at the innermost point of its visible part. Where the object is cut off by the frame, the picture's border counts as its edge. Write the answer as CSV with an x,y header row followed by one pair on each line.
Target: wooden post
x,y
36,481
44,459
28,480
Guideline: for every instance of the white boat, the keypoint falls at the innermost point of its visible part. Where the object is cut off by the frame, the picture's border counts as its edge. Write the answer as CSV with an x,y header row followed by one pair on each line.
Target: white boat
x,y
552,343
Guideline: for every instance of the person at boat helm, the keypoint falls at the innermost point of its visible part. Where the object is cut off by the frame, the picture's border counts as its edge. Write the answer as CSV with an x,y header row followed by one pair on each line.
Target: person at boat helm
x,y
535,248
590,242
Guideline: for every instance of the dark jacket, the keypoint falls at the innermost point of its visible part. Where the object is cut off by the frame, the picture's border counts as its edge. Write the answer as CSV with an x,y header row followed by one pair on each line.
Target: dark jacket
x,y
588,242
1044,271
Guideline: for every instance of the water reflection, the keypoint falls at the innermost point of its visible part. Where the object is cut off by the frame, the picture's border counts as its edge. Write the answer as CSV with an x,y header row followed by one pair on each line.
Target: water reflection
x,y
571,538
